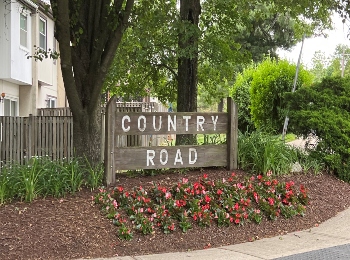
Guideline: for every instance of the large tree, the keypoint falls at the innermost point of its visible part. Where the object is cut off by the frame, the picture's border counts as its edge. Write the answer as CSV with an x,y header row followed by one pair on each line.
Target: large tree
x,y
188,61
88,32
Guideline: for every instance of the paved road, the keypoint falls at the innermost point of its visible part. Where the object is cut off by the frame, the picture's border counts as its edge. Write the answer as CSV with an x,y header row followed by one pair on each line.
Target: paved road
x,y
336,252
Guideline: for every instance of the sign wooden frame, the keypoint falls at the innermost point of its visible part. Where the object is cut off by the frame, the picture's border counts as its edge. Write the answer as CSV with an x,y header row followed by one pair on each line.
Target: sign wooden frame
x,y
159,123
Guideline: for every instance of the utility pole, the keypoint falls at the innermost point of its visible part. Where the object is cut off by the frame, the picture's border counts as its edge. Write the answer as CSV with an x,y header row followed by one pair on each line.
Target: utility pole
x,y
286,120
343,62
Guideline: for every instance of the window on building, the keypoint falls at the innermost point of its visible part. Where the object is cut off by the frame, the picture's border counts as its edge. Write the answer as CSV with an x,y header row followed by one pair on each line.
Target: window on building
x,y
23,30
42,34
51,102
10,107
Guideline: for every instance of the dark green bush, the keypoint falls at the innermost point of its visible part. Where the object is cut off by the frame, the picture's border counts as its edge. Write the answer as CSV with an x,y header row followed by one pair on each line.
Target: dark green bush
x,y
240,93
325,109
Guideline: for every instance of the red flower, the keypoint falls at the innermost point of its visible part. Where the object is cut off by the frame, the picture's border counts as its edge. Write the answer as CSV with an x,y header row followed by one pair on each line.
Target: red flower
x,y
180,203
256,197
259,177
240,186
237,220
236,207
207,199
289,185
205,207
120,188
205,176
271,201
162,189
171,227
219,192
146,200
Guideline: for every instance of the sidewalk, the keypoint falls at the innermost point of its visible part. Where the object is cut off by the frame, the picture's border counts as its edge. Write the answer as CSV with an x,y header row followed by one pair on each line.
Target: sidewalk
x,y
331,238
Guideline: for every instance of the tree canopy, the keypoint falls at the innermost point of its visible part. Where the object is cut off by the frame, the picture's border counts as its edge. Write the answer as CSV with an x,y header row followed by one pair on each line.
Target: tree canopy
x,y
232,33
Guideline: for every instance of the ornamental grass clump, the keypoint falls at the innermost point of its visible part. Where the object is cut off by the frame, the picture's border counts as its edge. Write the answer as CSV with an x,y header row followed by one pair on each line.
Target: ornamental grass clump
x,y
43,177
204,202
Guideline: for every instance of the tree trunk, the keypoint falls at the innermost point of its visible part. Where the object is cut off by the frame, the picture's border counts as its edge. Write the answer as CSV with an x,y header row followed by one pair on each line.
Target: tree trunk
x,y
221,105
87,136
188,62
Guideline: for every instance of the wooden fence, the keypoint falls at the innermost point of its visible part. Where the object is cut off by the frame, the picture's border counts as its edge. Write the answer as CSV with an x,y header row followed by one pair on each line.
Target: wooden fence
x,y
50,133
60,111
24,137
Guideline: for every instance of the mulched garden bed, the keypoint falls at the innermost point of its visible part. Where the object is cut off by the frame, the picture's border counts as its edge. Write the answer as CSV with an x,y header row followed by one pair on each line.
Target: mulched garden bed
x,y
72,227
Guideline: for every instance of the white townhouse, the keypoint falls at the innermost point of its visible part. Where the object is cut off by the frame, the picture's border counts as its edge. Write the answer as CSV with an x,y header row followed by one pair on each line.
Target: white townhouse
x,y
26,84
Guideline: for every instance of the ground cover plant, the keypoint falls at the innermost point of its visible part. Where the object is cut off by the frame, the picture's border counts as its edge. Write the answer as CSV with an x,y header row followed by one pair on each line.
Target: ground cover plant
x,y
204,202
261,152
42,177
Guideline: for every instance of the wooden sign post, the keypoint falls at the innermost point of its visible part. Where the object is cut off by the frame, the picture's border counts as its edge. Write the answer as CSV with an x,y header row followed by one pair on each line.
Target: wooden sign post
x,y
160,123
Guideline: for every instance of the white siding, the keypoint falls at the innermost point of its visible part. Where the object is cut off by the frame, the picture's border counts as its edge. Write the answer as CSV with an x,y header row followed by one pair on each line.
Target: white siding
x,y
14,67
26,80
5,39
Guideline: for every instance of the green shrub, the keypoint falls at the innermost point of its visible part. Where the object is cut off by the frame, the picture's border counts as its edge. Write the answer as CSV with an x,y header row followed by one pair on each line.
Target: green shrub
x,y
324,109
270,81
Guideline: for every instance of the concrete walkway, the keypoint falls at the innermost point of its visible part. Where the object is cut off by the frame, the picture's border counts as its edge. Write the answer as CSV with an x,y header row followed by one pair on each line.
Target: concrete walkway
x,y
300,143
330,240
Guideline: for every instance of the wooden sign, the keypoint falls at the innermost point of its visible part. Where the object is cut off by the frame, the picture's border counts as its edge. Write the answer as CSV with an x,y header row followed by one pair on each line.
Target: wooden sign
x,y
159,123
170,123
158,157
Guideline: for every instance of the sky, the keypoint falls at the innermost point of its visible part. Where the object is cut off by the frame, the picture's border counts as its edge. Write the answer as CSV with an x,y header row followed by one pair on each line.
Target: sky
x,y
326,45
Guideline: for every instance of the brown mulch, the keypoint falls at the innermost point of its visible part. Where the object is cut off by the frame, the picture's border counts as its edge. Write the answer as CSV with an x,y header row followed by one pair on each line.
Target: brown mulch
x,y
72,227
